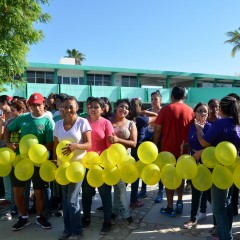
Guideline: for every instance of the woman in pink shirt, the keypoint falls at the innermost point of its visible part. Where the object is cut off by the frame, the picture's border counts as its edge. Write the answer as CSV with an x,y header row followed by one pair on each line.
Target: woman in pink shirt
x,y
101,129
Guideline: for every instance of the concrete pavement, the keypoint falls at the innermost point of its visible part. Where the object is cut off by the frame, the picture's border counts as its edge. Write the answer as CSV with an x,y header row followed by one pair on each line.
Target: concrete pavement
x,y
151,224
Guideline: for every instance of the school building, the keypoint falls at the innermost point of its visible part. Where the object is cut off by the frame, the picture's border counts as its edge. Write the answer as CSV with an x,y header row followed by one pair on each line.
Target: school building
x,y
84,81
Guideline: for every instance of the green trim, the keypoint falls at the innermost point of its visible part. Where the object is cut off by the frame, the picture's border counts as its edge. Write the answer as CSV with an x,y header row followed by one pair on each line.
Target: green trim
x,y
113,78
168,82
215,83
138,80
55,81
130,70
85,77
195,82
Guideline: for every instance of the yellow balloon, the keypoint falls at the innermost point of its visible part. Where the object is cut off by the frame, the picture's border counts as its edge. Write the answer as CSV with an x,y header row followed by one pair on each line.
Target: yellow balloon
x,y
38,153
5,169
147,152
17,159
140,165
235,164
60,174
222,177
226,153
59,151
186,167
25,143
90,159
47,171
116,153
75,172
24,169
129,172
151,174
170,178
105,162
7,155
236,176
208,157
111,176
203,180
94,176
129,159
164,158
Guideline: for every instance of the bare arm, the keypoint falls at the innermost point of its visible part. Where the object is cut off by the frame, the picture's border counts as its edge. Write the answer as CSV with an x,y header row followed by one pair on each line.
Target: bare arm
x,y
7,134
157,134
128,143
200,135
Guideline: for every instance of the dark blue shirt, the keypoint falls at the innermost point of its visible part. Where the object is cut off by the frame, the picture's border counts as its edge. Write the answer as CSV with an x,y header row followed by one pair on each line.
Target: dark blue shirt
x,y
223,129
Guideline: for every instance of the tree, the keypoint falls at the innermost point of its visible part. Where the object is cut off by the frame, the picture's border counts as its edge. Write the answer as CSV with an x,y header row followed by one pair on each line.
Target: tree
x,y
17,33
79,57
234,38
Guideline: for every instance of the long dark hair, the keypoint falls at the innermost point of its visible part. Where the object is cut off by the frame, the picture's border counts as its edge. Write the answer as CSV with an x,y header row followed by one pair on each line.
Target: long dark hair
x,y
230,107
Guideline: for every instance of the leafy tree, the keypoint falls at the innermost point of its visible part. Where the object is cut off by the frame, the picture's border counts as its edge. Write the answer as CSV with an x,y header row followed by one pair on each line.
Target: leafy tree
x,y
79,57
17,33
234,38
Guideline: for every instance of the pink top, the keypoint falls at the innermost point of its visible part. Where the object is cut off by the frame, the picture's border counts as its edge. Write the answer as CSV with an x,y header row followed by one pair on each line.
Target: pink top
x,y
100,130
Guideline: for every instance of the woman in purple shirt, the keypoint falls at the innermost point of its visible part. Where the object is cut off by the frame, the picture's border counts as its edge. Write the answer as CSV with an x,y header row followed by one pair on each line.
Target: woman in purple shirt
x,y
201,114
225,129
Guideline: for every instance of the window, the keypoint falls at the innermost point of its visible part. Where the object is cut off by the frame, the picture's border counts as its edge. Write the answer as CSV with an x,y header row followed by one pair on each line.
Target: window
x,y
74,80
66,80
40,77
129,81
50,77
98,80
31,76
81,81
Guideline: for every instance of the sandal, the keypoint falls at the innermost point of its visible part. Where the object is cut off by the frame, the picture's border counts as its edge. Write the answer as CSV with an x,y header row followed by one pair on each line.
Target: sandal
x,y
189,224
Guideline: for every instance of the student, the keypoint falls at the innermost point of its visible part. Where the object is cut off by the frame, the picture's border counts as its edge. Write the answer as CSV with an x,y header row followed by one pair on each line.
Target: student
x,y
172,125
78,131
224,129
38,124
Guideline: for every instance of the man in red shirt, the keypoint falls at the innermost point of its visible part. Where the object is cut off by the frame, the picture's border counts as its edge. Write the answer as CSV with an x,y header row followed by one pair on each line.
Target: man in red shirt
x,y
172,125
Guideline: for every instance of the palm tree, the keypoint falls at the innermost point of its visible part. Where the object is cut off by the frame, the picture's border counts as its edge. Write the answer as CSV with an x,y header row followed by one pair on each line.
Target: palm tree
x,y
234,38
79,57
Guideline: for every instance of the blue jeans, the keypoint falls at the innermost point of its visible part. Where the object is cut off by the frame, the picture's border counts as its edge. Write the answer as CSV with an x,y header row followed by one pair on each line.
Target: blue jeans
x,y
71,208
87,195
222,209
120,204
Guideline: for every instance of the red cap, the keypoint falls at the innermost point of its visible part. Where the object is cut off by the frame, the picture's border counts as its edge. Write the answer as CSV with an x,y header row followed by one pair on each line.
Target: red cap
x,y
36,98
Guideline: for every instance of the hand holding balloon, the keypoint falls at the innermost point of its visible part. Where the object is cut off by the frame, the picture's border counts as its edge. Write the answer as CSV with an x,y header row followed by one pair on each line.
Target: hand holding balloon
x,y
71,147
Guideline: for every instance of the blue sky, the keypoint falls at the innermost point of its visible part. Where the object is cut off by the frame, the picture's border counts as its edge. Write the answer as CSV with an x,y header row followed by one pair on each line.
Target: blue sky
x,y
169,35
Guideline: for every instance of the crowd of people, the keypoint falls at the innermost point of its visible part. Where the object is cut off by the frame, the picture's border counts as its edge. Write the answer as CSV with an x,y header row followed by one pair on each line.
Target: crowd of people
x,y
175,128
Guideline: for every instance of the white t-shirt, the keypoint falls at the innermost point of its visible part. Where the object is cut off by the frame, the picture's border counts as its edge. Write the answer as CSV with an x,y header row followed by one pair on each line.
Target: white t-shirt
x,y
74,135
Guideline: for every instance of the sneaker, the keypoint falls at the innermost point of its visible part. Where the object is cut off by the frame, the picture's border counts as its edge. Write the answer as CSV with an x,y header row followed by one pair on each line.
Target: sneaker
x,y
190,224
158,198
129,223
21,223
142,194
168,211
7,217
106,228
76,237
5,202
99,209
64,236
179,207
213,231
136,204
42,221
201,216
85,222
